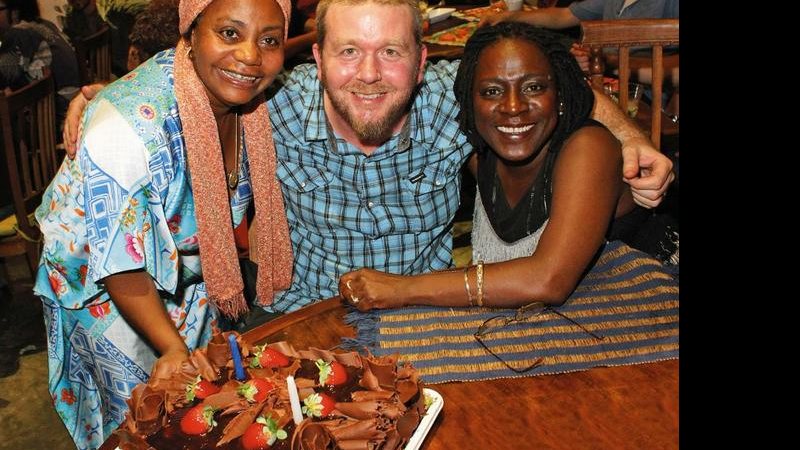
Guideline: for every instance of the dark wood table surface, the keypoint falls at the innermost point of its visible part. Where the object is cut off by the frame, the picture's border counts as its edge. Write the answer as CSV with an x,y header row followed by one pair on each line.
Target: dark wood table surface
x,y
628,407
610,407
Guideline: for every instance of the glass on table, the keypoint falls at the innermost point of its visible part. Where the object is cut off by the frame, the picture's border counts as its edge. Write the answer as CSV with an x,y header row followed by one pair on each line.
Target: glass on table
x,y
635,90
514,5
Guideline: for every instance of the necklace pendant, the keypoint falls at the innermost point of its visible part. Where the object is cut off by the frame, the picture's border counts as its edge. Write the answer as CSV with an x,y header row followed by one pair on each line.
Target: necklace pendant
x,y
233,179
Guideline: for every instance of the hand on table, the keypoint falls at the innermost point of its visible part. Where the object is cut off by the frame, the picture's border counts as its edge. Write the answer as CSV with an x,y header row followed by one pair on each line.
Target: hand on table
x,y
367,288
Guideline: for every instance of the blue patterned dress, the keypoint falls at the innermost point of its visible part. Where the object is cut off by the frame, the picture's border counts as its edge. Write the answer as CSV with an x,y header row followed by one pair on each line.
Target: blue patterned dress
x,y
124,204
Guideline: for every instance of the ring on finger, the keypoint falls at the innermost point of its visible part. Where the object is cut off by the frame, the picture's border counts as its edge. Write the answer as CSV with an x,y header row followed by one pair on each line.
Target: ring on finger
x,y
348,285
354,299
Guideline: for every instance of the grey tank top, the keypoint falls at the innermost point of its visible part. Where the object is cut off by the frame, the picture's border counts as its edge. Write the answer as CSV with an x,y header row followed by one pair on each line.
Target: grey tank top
x,y
487,246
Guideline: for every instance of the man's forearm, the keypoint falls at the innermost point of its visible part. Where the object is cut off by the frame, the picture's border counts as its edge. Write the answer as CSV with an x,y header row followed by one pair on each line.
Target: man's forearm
x,y
553,18
608,113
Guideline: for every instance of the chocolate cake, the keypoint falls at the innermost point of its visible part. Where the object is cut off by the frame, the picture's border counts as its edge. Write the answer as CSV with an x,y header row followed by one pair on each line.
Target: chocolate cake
x,y
349,401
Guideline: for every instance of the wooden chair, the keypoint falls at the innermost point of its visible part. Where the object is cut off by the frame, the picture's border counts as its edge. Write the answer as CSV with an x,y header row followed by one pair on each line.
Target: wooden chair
x,y
624,34
94,56
28,132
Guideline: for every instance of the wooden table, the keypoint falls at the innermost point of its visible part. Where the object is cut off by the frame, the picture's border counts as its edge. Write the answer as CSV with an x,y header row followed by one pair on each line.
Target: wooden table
x,y
616,407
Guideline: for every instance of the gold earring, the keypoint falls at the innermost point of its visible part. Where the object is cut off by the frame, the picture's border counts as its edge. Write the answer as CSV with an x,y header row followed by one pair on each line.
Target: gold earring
x,y
189,53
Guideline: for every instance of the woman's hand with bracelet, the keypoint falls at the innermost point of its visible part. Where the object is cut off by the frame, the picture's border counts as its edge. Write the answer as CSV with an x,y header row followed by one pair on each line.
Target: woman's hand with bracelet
x,y
366,289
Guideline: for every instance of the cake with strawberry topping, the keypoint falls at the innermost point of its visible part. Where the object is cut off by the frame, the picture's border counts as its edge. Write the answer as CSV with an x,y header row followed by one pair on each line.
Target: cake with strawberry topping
x,y
347,401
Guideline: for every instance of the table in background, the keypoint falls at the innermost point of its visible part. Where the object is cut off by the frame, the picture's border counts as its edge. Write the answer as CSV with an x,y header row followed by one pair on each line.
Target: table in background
x,y
610,407
438,51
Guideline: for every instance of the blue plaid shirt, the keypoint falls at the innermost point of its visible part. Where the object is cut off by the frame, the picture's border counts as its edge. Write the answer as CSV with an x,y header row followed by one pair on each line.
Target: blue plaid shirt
x,y
391,210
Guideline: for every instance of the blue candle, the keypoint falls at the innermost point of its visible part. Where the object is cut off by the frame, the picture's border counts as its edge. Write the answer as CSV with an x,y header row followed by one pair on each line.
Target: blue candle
x,y
237,358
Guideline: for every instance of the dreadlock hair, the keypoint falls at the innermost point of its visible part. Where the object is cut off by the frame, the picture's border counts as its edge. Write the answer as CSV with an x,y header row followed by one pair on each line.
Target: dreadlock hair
x,y
572,89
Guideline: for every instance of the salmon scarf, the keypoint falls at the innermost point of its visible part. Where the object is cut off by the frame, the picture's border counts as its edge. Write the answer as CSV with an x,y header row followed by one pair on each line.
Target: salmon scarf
x,y
218,255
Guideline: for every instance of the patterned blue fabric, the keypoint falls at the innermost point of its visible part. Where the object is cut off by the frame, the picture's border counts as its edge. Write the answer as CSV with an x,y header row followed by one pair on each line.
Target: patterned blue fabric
x,y
124,204
390,210
627,298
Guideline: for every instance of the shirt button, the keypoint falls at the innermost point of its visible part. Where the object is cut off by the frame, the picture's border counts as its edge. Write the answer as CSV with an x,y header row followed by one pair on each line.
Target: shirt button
x,y
303,184
370,204
438,183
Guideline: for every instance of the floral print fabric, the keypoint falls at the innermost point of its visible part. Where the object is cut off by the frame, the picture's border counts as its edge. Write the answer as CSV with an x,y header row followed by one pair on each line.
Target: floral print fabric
x,y
125,203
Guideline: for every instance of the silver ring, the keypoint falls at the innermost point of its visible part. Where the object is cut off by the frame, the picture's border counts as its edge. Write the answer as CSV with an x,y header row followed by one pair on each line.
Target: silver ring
x,y
348,285
354,298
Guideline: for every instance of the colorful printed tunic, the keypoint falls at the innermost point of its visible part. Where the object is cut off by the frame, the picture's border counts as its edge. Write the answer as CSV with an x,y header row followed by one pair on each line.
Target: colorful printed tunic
x,y
124,204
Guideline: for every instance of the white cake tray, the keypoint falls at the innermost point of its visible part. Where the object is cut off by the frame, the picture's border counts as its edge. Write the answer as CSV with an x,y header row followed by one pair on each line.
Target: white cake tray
x,y
427,421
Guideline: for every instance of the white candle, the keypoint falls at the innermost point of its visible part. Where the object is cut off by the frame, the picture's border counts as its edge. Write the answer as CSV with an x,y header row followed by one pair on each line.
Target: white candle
x,y
294,400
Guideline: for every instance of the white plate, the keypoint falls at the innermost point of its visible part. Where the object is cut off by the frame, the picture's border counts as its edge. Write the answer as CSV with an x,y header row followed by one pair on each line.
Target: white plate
x,y
439,14
430,415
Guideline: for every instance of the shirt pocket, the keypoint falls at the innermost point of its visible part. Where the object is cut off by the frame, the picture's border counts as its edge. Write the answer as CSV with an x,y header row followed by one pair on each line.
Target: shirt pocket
x,y
302,178
430,196
431,179
307,195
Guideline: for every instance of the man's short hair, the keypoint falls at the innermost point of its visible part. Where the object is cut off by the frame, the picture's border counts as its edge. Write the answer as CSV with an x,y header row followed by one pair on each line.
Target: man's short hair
x,y
322,11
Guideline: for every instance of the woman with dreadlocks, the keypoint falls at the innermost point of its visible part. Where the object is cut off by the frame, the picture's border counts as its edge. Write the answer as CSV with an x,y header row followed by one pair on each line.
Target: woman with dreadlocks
x,y
548,179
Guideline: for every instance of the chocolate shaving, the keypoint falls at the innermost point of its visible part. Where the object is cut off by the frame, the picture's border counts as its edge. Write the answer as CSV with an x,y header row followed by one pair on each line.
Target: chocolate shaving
x,y
225,399
351,359
239,424
147,412
311,436
130,441
362,429
359,444
370,408
362,396
203,366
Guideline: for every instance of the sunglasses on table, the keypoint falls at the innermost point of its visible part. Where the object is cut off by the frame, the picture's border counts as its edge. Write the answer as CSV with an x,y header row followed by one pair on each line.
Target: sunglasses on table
x,y
524,313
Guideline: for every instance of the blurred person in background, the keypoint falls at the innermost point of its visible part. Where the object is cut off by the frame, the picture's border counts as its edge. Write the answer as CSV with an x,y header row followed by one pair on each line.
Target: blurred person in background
x,y
155,29
81,19
30,45
559,18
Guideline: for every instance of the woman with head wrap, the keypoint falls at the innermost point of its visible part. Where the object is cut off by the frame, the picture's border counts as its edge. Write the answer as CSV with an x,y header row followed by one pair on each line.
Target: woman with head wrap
x,y
139,264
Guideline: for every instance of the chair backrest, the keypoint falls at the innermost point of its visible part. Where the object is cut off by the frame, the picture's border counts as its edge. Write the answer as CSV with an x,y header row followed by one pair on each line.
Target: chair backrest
x,y
28,127
624,34
94,56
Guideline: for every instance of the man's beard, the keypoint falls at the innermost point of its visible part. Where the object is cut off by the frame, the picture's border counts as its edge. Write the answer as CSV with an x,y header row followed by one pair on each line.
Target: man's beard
x,y
376,131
